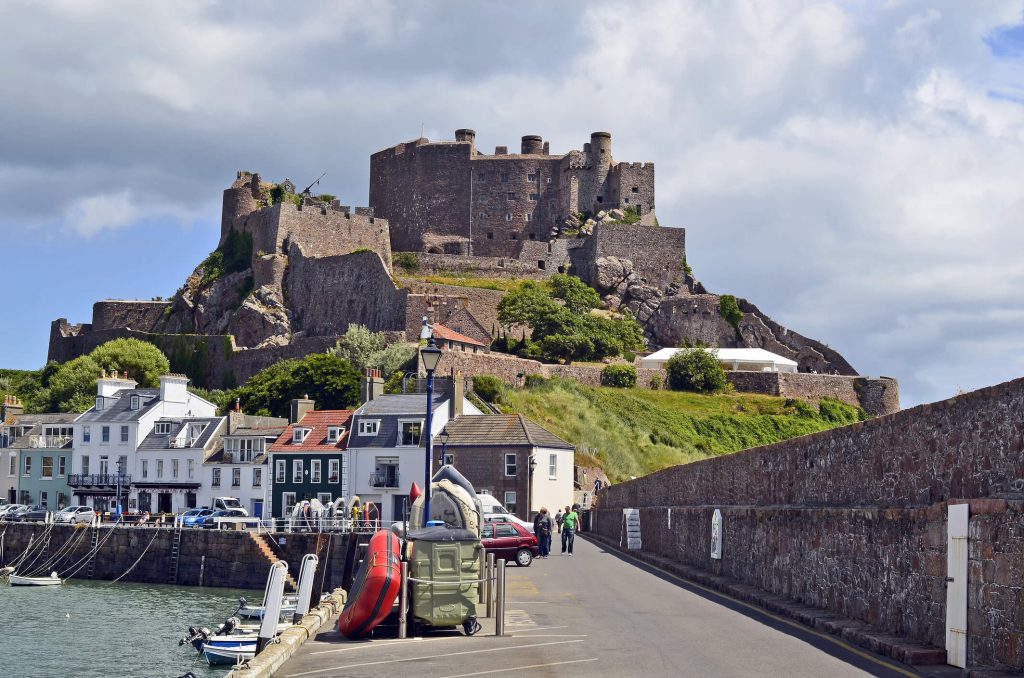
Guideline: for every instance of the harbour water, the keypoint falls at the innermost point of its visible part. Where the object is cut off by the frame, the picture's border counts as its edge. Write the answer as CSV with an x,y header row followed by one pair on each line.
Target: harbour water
x,y
93,628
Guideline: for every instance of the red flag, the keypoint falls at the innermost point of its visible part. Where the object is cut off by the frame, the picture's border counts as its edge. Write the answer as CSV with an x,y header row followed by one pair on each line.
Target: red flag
x,y
414,493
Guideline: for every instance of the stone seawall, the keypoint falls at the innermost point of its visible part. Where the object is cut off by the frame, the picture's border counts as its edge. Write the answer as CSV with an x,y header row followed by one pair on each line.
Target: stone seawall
x,y
877,396
207,557
853,520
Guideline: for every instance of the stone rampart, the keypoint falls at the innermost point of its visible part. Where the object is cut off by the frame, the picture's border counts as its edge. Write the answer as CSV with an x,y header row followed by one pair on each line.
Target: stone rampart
x,y
877,396
137,315
853,520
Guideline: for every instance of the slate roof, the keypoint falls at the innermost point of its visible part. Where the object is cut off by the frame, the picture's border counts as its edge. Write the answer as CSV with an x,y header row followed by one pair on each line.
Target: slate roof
x,y
158,441
388,410
448,334
35,421
316,441
501,430
120,411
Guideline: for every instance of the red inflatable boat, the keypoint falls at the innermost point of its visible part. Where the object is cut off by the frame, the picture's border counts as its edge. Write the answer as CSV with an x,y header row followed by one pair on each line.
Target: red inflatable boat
x,y
375,587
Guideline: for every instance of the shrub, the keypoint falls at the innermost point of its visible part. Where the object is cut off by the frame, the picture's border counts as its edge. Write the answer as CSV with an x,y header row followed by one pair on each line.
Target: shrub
x,y
730,310
277,194
488,387
695,370
619,376
408,261
327,197
535,381
631,215
656,382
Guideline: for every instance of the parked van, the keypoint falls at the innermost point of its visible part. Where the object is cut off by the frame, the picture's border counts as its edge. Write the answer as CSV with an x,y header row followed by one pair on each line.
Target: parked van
x,y
228,503
494,512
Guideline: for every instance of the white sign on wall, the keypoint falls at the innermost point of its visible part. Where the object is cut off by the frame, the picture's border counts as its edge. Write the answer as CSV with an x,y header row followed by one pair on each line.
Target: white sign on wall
x,y
631,528
716,535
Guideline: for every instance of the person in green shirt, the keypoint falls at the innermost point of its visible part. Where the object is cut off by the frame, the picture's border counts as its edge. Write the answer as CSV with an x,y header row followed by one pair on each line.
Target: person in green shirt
x,y
569,520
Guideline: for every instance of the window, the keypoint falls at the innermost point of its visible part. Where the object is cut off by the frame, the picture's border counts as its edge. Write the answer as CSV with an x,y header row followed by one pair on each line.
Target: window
x,y
85,465
510,504
99,403
145,468
535,197
236,477
47,467
529,217
162,428
508,216
194,431
504,177
481,177
280,472
62,466
257,477
191,469
600,198
334,470
44,499
510,464
334,433
299,434
190,500
159,468
28,466
514,236
296,470
552,466
12,470
531,177
124,434
288,499
547,180
86,434
411,432
316,466
174,469
449,459
511,195
369,427
636,189
215,479
134,404
490,235
105,434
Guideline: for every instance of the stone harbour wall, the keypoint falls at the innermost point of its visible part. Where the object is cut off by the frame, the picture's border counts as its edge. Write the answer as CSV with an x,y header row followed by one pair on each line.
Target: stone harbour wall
x,y
853,520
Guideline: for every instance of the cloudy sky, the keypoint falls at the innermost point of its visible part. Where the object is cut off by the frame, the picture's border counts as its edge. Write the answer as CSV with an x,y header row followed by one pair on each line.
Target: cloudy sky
x,y
851,167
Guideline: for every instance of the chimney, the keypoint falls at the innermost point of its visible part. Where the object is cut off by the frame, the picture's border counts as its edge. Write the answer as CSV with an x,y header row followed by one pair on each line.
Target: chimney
x,y
372,386
107,386
12,407
455,407
238,404
299,408
173,388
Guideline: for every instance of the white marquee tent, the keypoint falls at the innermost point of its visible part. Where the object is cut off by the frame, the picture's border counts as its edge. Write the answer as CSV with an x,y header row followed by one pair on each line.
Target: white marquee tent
x,y
737,359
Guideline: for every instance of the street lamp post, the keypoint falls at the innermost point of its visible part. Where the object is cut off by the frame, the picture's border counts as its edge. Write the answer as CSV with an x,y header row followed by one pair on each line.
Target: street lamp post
x,y
431,356
529,486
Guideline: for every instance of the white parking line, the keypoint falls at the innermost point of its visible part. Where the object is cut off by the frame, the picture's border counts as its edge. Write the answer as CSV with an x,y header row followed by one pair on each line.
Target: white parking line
x,y
435,656
538,628
385,642
523,668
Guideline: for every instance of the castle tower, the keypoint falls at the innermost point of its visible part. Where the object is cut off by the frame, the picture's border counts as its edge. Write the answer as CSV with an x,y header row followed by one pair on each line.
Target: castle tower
x,y
467,135
532,145
601,151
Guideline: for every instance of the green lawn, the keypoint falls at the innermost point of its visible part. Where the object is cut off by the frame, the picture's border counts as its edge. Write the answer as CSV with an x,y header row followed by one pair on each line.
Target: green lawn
x,y
638,431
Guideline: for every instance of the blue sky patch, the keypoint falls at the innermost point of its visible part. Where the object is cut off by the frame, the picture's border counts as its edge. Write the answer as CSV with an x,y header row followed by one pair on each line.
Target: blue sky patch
x,y
1006,42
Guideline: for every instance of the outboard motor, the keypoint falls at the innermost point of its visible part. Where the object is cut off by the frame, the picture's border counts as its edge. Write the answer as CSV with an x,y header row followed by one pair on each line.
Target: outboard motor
x,y
196,637
228,627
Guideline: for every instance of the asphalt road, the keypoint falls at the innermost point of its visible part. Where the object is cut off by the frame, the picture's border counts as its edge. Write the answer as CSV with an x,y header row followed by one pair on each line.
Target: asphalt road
x,y
601,614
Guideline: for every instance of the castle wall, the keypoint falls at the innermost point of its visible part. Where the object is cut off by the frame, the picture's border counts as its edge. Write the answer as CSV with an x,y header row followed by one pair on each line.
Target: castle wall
x,y
326,294
657,253
853,520
632,185
876,396
137,315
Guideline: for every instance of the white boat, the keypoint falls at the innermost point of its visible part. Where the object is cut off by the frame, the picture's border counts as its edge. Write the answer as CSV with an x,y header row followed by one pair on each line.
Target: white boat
x,y
52,580
230,656
288,605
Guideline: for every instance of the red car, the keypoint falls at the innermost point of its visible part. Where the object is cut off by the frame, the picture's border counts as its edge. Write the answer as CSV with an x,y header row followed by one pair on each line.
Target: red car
x,y
511,542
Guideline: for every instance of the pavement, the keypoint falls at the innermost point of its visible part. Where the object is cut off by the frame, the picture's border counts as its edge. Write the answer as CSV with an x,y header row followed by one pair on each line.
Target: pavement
x,y
601,613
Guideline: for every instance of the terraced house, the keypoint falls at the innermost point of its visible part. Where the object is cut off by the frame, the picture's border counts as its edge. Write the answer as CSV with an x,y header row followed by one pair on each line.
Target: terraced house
x,y
39,461
168,463
308,460
238,465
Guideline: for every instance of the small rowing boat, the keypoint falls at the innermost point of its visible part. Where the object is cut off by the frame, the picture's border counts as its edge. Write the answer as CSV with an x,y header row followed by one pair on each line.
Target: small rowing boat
x,y
222,655
52,580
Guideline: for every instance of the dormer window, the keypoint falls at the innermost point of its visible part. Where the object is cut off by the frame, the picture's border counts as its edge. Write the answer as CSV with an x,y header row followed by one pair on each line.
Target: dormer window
x,y
134,404
369,427
162,428
99,403
334,433
299,434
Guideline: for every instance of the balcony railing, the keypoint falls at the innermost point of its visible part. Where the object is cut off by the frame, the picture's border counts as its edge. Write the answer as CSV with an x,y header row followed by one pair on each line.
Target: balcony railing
x,y
48,442
384,479
98,480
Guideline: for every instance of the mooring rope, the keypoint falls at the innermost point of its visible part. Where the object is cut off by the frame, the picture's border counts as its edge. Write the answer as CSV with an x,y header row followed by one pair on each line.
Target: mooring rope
x,y
91,554
139,559
65,549
44,540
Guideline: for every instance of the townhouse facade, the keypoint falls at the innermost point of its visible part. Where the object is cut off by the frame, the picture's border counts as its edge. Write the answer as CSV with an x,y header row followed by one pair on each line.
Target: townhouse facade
x,y
39,452
239,464
168,463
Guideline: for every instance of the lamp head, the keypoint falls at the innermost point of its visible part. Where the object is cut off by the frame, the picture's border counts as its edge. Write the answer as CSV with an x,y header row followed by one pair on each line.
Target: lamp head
x,y
425,331
431,356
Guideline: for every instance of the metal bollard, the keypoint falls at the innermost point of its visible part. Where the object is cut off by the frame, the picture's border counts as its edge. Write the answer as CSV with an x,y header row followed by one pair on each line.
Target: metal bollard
x,y
480,589
499,622
490,584
403,602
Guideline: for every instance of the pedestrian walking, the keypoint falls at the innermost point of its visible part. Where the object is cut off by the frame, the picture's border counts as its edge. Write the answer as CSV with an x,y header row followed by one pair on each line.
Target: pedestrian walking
x,y
569,521
558,520
542,527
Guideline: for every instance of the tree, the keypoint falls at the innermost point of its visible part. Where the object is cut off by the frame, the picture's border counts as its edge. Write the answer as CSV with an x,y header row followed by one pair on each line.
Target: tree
x,y
331,381
364,348
697,370
488,387
72,387
578,296
140,360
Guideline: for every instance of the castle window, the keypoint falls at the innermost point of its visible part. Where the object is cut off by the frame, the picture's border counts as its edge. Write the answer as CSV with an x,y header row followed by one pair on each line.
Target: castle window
x,y
533,236
600,198
531,177
535,197
508,216
511,195
635,189
490,235
540,264
504,176
514,236
481,177
626,201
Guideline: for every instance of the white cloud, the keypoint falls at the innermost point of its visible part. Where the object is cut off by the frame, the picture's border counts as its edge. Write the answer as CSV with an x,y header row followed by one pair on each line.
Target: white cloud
x,y
110,211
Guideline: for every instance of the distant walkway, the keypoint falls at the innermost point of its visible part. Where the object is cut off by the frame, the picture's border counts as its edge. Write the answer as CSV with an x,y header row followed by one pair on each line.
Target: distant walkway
x,y
598,614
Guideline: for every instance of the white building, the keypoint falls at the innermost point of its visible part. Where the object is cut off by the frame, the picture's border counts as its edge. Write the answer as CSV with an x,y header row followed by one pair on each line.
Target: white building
x,y
238,466
111,431
735,359
168,466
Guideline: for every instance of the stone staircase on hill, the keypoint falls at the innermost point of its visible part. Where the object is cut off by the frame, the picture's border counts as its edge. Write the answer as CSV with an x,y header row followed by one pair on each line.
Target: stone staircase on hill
x,y
264,547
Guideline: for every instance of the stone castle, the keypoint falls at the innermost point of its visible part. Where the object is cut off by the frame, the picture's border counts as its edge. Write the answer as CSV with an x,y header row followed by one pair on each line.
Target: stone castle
x,y
292,272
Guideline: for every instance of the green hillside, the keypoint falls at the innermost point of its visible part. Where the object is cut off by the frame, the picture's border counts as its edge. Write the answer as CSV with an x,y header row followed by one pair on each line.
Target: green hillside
x,y
638,431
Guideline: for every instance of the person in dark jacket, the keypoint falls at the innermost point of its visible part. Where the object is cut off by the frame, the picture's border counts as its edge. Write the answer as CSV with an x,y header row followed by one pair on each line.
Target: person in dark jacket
x,y
543,526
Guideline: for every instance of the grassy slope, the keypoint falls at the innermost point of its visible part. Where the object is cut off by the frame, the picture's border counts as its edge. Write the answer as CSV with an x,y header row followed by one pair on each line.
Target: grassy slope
x,y
638,431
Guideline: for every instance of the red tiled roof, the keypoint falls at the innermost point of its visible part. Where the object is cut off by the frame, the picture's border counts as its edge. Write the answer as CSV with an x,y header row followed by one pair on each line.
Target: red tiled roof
x,y
448,334
318,421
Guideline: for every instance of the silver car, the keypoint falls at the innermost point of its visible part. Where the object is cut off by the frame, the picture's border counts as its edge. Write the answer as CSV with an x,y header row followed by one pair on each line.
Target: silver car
x,y
10,509
75,514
